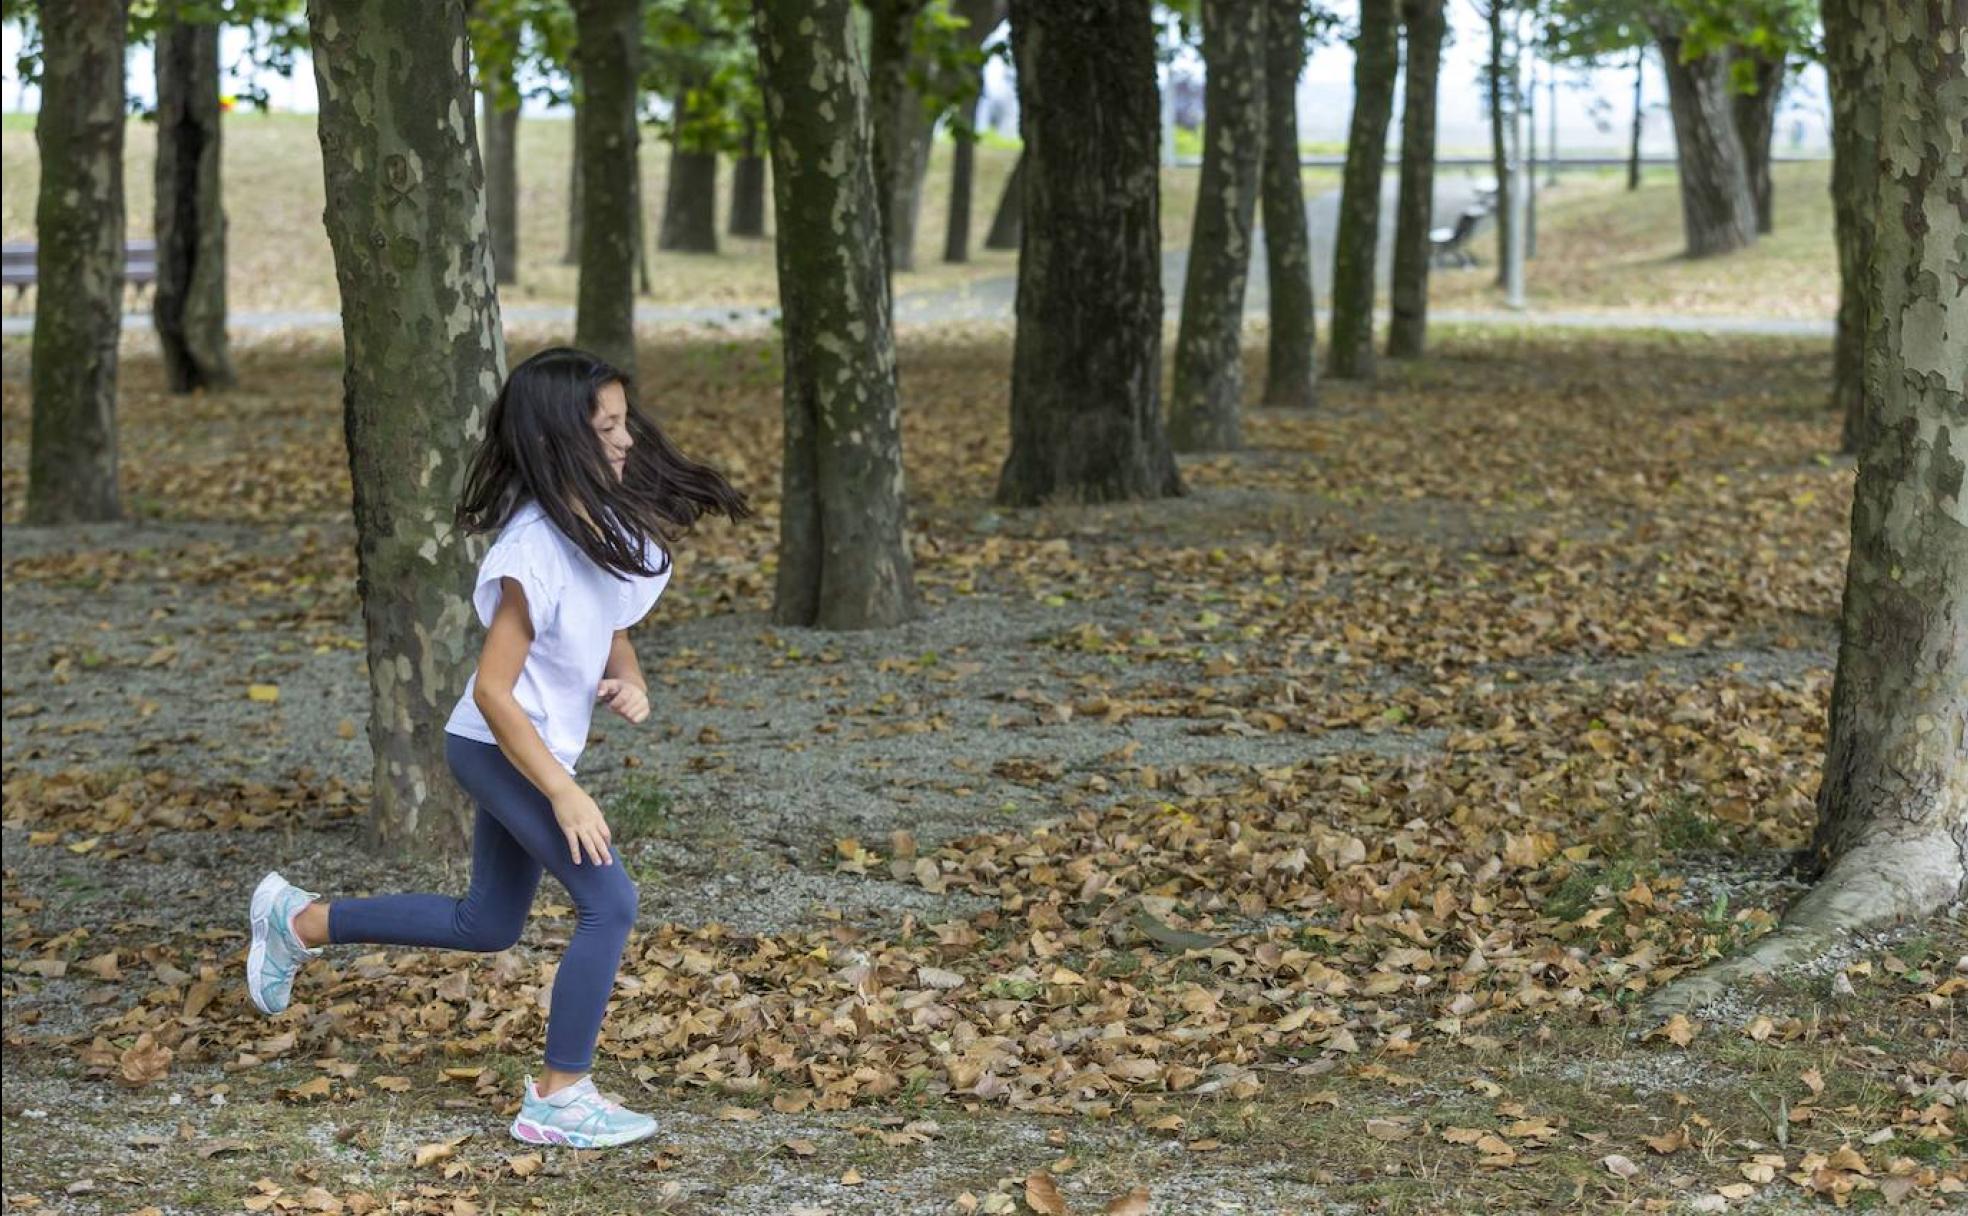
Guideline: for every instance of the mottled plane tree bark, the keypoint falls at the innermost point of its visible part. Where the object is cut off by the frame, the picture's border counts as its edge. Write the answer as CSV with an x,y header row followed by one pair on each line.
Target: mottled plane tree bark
x,y
1086,402
78,226
1377,63
188,305
1290,360
499,124
607,46
1207,401
1892,836
844,558
423,356
1407,328
1852,58
902,127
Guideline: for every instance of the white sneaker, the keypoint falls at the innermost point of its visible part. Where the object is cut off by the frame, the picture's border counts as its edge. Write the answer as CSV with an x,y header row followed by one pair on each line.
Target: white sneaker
x,y
578,1117
276,955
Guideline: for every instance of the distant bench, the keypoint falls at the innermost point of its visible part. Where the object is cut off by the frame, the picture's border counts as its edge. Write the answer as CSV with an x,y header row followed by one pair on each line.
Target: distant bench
x,y
139,266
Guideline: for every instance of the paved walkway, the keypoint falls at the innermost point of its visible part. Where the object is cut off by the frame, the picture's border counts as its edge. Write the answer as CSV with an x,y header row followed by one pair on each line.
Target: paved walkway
x,y
993,300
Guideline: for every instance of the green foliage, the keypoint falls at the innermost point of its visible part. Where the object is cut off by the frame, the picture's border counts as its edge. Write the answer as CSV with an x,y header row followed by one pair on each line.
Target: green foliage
x,y
698,54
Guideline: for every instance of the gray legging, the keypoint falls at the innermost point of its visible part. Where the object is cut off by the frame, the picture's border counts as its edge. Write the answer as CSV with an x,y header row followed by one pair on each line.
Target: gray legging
x,y
515,836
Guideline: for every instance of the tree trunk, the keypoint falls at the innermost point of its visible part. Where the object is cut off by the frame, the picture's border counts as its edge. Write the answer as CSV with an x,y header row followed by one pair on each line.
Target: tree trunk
x,y
1639,118
843,553
1290,364
188,305
1377,62
78,225
1756,120
607,41
571,256
1718,213
690,203
1892,836
1008,221
981,17
1500,103
690,198
1086,403
963,162
1206,409
902,130
1852,55
748,190
500,128
1529,103
1407,331
423,358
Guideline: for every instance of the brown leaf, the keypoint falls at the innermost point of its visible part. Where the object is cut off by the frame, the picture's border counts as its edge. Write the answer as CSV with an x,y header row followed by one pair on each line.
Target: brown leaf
x,y
526,1164
1042,1194
430,1154
1132,1203
143,1062
1621,1166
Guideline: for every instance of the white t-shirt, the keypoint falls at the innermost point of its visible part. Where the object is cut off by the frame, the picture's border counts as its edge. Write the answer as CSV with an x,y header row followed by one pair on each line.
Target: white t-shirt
x,y
576,607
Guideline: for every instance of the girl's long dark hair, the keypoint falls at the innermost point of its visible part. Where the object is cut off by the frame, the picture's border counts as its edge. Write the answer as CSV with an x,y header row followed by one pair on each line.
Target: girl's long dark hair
x,y
540,444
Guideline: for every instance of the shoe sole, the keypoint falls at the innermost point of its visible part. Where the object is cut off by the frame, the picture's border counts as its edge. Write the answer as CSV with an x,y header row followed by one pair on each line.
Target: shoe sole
x,y
526,1131
260,916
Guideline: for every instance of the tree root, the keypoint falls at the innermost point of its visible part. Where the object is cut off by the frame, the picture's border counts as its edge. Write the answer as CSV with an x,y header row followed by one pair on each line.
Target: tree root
x,y
1877,885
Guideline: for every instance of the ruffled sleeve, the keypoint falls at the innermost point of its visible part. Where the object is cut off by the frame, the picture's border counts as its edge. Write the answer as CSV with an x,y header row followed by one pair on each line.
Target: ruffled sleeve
x,y
525,557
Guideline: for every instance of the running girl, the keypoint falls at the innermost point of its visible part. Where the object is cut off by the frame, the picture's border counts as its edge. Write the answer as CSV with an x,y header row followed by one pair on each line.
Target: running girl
x,y
586,495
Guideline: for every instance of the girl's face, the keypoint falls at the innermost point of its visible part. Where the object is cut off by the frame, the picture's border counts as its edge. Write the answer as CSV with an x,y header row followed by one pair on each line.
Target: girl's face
x,y
611,425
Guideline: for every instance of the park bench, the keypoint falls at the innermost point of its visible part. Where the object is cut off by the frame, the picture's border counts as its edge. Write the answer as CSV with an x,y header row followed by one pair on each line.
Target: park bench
x,y
17,263
1451,245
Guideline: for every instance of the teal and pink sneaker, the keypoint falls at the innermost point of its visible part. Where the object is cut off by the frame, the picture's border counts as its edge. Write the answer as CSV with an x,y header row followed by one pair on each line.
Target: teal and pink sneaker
x,y
578,1117
276,955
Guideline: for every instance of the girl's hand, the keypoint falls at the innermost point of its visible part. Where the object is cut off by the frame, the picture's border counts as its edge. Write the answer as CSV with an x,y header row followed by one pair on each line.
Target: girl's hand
x,y
580,820
626,699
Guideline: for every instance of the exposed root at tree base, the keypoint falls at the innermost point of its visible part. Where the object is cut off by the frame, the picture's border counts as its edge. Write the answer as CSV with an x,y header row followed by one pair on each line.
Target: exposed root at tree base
x,y
1876,886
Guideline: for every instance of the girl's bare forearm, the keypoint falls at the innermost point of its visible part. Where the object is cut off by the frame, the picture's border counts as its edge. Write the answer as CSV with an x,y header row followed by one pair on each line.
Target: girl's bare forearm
x,y
520,740
622,662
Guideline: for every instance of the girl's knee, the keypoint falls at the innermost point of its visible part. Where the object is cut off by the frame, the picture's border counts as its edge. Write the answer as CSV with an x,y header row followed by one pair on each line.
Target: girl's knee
x,y
490,937
613,901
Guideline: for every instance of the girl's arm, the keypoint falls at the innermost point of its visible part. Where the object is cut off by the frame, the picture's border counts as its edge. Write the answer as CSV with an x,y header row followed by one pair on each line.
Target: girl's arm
x,y
507,640
622,687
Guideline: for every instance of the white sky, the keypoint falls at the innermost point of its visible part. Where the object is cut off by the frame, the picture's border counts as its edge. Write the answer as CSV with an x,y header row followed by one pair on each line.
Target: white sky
x,y
1595,107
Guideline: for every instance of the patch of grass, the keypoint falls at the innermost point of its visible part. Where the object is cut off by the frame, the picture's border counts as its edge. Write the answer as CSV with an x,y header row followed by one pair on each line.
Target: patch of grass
x,y
641,808
1587,886
1685,827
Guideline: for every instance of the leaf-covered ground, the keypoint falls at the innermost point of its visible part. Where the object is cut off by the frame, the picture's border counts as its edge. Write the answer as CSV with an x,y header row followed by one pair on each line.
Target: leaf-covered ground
x,y
1296,845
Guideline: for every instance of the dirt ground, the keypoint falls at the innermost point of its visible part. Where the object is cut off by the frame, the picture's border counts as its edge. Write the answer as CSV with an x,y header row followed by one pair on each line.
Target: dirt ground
x,y
1525,651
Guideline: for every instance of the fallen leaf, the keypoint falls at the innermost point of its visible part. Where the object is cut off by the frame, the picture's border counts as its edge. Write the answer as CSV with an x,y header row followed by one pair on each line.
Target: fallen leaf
x,y
1133,1202
1042,1194
143,1062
